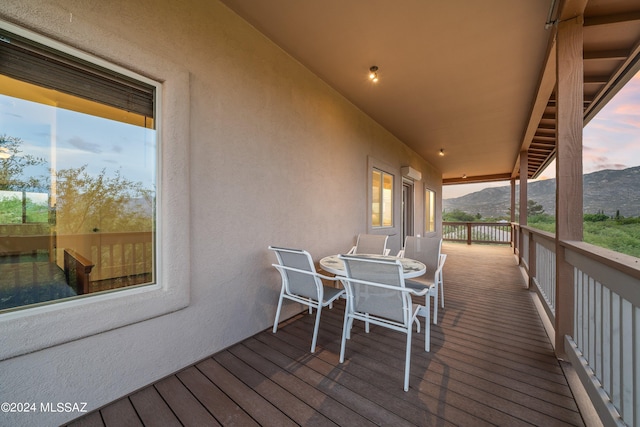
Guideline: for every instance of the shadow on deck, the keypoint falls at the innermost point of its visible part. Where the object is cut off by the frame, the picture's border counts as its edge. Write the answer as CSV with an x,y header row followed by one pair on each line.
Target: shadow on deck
x,y
491,363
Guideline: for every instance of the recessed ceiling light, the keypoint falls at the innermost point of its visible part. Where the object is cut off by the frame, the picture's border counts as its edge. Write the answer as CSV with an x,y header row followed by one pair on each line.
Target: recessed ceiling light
x,y
373,73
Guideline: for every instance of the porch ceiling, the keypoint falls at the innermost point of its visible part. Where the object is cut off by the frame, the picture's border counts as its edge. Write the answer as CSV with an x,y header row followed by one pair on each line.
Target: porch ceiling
x,y
475,79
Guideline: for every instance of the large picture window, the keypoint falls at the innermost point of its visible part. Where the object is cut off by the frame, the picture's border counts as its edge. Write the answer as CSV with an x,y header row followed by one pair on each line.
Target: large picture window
x,y
381,199
78,176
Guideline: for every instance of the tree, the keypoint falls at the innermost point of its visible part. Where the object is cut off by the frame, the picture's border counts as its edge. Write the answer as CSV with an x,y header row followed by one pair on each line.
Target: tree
x,y
534,208
13,164
457,216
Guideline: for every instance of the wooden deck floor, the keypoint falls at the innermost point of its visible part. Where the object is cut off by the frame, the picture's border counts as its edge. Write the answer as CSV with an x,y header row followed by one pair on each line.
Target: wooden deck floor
x,y
491,363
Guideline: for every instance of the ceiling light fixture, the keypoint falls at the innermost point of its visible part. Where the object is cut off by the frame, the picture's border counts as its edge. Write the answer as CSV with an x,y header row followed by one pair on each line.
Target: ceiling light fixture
x,y
373,73
464,176
441,152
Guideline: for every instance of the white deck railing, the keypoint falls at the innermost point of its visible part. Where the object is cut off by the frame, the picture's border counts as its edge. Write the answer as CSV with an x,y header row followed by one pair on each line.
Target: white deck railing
x,y
477,232
605,346
545,272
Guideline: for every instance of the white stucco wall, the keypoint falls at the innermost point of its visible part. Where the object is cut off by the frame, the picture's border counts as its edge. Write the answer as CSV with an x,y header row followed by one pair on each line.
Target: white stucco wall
x,y
273,156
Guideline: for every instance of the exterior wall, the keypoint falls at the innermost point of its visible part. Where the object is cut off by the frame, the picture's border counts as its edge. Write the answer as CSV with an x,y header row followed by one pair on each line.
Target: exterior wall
x,y
275,156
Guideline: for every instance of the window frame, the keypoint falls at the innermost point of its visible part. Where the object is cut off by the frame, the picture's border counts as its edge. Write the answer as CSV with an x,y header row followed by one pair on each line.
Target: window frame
x,y
374,164
47,325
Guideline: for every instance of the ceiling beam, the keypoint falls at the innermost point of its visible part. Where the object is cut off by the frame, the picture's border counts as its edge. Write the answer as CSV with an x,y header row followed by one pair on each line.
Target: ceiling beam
x,y
599,80
611,54
477,178
612,19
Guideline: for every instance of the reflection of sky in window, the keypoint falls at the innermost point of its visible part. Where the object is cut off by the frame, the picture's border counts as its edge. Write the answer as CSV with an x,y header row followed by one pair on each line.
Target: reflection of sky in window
x,y
80,139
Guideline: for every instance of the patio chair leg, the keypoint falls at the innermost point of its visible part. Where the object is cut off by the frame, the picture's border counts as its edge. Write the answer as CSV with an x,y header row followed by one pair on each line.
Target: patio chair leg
x,y
435,306
275,324
427,330
346,331
407,361
315,328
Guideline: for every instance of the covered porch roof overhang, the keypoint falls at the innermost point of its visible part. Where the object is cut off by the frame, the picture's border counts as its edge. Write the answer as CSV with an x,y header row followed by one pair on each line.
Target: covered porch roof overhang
x,y
475,80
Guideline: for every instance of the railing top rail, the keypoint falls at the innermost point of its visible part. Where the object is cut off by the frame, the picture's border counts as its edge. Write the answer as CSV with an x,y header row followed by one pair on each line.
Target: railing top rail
x,y
626,264
539,233
475,223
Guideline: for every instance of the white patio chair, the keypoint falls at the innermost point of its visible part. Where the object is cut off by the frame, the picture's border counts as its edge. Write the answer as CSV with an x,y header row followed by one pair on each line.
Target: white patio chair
x,y
370,244
301,283
427,250
376,294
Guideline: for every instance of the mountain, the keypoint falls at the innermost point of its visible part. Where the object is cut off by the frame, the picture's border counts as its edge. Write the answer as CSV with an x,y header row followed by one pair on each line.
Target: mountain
x,y
608,191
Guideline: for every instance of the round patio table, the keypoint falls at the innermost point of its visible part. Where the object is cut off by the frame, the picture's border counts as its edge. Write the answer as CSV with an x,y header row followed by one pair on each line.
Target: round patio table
x,y
410,267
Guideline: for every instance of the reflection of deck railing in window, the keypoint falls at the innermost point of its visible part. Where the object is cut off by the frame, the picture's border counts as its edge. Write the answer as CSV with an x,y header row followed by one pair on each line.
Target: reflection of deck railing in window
x,y
121,259
77,271
477,232
29,263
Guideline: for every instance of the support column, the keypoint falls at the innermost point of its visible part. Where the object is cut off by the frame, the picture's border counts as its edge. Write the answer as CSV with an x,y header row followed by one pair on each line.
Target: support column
x,y
512,218
522,217
513,200
569,98
524,175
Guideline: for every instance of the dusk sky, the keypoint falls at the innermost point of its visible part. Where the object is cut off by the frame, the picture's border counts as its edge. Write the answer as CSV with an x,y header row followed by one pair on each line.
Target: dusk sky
x,y
611,140
77,139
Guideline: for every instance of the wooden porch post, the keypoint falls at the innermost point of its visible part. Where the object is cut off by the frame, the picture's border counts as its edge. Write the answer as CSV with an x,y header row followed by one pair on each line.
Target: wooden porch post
x,y
512,219
569,98
522,217
524,175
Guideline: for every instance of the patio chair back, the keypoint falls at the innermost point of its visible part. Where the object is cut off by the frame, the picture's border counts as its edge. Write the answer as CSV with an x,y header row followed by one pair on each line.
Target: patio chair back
x,y
371,244
297,282
424,249
427,250
378,297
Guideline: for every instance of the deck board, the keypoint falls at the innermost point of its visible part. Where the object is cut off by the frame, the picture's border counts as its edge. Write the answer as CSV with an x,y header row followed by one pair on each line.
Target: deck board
x,y
152,409
491,363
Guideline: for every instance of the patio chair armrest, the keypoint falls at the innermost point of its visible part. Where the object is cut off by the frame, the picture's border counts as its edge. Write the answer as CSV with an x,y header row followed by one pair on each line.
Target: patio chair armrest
x,y
281,268
352,251
331,278
400,253
418,293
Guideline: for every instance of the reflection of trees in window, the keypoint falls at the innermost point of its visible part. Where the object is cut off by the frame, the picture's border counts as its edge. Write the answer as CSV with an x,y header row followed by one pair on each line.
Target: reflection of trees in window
x,y
101,203
13,162
88,203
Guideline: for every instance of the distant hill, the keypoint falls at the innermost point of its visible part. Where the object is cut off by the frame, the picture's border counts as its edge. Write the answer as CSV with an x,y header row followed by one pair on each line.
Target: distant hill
x,y
607,191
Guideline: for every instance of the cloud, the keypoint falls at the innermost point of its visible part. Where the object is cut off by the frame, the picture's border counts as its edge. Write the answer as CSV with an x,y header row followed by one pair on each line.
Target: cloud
x,y
603,165
83,145
117,149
